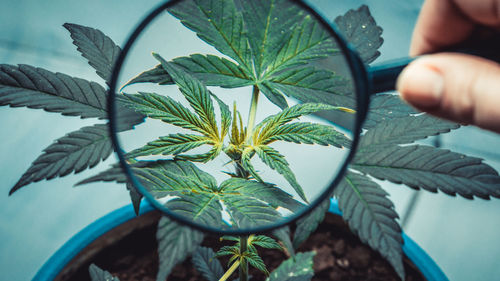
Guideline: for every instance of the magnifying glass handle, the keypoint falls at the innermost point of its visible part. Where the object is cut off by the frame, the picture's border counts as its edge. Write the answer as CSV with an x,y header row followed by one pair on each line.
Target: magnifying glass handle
x,y
384,75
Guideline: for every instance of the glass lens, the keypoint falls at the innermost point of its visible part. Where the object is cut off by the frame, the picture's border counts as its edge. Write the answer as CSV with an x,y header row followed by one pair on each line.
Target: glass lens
x,y
249,111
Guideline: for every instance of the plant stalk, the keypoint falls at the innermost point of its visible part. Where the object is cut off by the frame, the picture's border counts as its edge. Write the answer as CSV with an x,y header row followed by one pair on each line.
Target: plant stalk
x,y
252,113
230,271
244,263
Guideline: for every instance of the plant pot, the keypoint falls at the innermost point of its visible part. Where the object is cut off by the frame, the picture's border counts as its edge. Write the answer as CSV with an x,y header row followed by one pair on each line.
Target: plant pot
x,y
122,222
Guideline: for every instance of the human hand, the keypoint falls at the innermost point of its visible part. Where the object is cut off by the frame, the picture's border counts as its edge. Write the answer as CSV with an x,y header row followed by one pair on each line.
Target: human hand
x,y
458,87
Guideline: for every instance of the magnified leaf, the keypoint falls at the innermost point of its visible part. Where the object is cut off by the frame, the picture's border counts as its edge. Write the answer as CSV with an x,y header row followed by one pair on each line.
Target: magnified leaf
x,y
385,107
430,168
261,191
249,212
201,208
170,145
370,214
100,51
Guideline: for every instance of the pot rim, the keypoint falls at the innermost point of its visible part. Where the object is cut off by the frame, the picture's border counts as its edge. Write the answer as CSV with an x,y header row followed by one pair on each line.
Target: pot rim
x,y
84,237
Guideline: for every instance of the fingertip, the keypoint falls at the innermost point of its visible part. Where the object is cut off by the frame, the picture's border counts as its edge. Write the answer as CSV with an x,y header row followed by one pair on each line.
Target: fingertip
x,y
421,85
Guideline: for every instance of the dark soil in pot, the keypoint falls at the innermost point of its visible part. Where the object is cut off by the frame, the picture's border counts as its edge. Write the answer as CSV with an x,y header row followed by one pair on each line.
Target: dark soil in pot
x,y
131,255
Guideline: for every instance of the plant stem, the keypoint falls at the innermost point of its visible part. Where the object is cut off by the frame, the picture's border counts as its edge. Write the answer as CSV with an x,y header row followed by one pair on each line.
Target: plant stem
x,y
252,113
230,271
244,263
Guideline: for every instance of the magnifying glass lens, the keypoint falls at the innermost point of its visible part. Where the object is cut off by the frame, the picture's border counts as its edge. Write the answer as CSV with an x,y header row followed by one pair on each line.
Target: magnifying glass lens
x,y
251,112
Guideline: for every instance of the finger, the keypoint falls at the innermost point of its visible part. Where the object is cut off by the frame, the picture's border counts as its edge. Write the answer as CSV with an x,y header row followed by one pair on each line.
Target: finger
x,y
443,23
461,88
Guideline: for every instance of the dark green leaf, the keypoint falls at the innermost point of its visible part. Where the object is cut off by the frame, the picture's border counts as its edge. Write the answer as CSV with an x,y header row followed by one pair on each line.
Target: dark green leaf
x,y
404,130
370,214
135,196
361,31
310,84
309,223
203,158
38,88
269,126
210,69
207,264
255,261
431,169
273,95
309,41
283,234
97,274
249,212
164,108
309,133
201,208
385,107
219,24
225,116
175,244
298,268
276,161
170,145
161,177
195,92
267,193
265,242
74,152
100,51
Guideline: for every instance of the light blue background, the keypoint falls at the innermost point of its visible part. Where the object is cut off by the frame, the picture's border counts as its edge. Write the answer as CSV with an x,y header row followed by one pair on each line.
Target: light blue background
x,y
461,235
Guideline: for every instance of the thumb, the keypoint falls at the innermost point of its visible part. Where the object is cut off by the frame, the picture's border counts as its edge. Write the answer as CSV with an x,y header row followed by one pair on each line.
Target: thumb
x,y
458,87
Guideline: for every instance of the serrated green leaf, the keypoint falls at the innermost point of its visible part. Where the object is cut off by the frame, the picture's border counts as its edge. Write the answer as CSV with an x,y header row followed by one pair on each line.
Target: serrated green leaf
x,y
225,116
283,235
267,128
308,41
201,208
360,29
170,145
276,161
38,88
370,215
430,168
311,84
246,155
264,192
205,261
175,244
228,251
100,51
74,152
196,94
249,212
135,197
97,274
203,158
308,133
309,223
385,107
164,108
265,242
254,260
162,177
219,24
404,130
272,94
298,268
210,69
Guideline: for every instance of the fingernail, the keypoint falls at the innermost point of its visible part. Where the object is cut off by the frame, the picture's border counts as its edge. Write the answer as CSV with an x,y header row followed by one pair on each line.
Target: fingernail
x,y
421,85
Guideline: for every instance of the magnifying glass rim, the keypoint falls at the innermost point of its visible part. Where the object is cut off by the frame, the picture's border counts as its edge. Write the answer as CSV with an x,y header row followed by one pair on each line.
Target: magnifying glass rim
x,y
357,69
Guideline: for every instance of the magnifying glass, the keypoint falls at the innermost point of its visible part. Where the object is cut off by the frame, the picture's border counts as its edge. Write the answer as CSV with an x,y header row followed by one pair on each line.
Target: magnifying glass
x,y
254,110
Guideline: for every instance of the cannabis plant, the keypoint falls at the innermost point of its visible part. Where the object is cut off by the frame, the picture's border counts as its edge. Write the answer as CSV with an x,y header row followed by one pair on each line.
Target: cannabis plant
x,y
278,62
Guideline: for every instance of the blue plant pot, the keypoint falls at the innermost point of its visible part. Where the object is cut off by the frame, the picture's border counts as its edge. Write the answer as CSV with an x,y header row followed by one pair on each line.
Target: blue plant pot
x,y
82,239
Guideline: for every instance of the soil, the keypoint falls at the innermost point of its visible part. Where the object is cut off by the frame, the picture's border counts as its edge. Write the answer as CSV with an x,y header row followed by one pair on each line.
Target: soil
x,y
340,255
